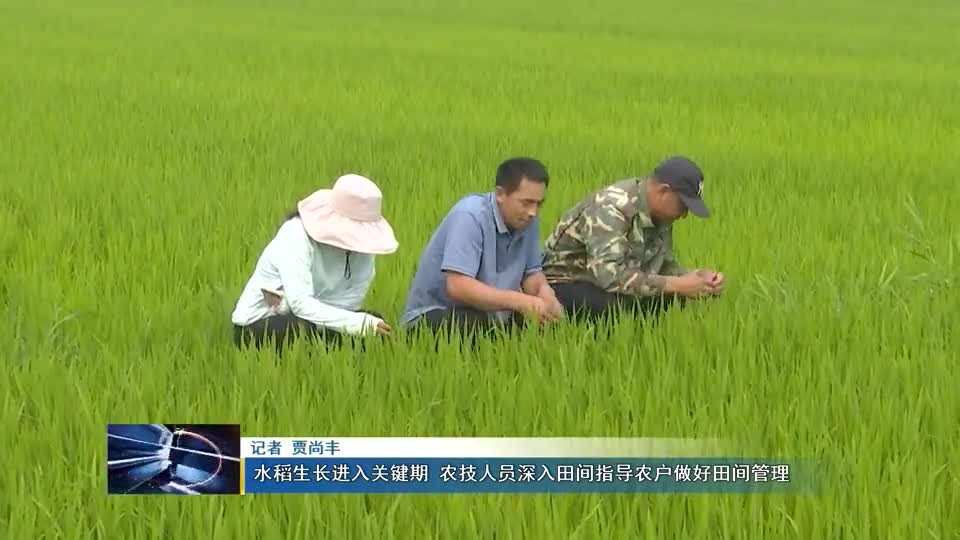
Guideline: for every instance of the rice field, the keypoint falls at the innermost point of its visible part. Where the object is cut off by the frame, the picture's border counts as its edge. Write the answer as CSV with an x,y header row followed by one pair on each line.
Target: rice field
x,y
149,151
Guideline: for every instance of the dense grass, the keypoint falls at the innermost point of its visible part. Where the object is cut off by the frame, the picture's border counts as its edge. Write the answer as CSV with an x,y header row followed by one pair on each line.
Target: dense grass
x,y
149,151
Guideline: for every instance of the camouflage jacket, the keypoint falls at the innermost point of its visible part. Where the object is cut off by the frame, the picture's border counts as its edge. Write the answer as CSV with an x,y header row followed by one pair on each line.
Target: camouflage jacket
x,y
609,239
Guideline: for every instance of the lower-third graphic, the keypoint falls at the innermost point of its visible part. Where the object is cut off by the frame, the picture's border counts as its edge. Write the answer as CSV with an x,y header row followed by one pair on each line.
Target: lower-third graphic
x,y
176,459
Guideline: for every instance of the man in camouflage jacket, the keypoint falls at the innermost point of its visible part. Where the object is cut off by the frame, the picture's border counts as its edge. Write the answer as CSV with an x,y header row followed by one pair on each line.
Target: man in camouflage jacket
x,y
615,248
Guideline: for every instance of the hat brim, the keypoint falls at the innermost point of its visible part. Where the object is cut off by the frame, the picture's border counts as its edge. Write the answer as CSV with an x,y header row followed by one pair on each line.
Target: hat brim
x,y
696,206
325,226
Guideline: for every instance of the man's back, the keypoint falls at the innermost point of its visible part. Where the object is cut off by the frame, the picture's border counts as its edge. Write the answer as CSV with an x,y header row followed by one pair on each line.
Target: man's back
x,y
606,233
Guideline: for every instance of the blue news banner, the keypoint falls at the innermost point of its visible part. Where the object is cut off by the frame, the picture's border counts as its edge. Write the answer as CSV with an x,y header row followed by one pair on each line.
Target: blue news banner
x,y
520,475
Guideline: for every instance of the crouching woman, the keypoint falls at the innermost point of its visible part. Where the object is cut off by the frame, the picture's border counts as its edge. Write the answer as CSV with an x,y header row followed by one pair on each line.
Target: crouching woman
x,y
313,276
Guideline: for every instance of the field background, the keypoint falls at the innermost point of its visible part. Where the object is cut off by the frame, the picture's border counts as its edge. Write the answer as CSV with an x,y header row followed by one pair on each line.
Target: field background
x,y
148,151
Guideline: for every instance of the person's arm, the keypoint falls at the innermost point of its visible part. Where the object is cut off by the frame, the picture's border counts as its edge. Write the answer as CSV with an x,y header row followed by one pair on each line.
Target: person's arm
x,y
670,265
461,263
534,280
535,284
292,258
606,246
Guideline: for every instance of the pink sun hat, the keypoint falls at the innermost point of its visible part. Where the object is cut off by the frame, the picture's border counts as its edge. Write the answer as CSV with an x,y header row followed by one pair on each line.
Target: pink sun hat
x,y
348,217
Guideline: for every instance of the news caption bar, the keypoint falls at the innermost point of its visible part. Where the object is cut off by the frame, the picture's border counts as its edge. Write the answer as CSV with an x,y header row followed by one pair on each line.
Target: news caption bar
x,y
507,465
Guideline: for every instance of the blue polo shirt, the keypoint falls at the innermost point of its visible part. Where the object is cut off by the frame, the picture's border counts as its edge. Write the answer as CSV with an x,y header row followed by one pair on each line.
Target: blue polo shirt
x,y
473,239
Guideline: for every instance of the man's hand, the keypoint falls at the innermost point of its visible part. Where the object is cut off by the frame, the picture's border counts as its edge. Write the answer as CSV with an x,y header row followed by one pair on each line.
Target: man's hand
x,y
555,310
383,328
690,285
537,308
714,279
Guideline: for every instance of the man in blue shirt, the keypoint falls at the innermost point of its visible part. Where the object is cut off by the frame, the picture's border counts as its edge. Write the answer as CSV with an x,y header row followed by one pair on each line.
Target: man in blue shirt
x,y
482,266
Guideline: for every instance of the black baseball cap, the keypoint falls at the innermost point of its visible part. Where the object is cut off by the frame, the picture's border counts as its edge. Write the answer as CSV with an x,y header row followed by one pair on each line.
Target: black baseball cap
x,y
686,179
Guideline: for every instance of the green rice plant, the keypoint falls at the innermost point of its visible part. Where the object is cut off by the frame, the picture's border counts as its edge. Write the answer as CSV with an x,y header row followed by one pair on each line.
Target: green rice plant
x,y
149,151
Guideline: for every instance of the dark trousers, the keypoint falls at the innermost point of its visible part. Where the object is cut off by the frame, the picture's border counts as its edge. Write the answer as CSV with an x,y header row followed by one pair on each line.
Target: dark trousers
x,y
472,324
586,302
284,329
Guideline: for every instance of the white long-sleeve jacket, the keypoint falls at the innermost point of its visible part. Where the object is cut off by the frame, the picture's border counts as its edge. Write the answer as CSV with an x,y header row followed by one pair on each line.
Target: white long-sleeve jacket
x,y
318,283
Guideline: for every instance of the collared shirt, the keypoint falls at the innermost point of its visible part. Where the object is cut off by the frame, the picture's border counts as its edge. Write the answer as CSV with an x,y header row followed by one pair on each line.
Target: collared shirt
x,y
610,240
318,283
473,240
